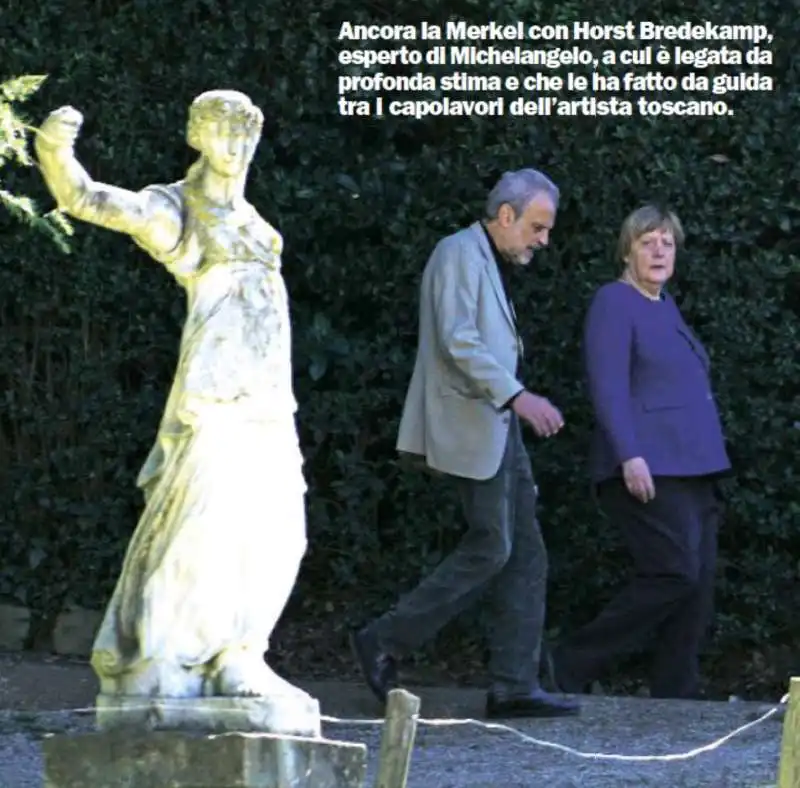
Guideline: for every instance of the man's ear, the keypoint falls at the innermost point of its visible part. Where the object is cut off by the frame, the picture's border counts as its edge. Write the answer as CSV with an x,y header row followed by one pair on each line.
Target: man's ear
x,y
506,215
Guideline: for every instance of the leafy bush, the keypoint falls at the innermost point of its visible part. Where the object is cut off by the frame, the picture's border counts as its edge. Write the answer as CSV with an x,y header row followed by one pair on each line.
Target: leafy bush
x,y
88,342
14,149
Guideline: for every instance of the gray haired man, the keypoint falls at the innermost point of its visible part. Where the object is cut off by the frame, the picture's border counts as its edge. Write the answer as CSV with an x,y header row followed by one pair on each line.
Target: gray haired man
x,y
462,416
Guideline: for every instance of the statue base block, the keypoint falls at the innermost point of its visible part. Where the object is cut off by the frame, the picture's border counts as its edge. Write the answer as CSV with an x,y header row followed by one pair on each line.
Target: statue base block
x,y
292,714
144,759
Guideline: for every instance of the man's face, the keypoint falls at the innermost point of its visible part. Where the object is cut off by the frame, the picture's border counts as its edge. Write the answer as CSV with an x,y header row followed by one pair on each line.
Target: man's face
x,y
520,236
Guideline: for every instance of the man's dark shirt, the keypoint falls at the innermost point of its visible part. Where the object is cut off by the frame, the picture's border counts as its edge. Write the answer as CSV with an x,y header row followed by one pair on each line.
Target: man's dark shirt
x,y
504,269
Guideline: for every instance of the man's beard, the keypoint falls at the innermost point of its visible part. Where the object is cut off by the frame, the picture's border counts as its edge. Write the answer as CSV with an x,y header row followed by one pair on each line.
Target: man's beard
x,y
524,259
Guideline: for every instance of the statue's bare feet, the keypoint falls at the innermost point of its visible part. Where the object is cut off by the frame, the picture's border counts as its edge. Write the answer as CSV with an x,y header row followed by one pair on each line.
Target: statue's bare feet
x,y
152,678
247,677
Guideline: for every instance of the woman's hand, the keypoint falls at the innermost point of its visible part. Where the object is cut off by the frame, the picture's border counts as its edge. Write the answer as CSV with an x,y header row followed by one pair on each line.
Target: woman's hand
x,y
638,479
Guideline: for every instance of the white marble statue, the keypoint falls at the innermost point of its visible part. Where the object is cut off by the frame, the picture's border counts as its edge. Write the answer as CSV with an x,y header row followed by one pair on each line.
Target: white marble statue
x,y
217,549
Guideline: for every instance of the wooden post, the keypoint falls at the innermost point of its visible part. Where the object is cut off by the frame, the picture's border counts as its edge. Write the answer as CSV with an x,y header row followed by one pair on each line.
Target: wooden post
x,y
789,767
397,741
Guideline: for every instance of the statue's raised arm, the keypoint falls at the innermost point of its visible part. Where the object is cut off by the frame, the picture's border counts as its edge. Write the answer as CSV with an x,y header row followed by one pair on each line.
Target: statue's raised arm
x,y
149,217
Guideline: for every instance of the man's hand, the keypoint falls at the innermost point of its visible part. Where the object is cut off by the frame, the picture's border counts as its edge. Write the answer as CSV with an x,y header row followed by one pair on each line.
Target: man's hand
x,y
638,479
539,412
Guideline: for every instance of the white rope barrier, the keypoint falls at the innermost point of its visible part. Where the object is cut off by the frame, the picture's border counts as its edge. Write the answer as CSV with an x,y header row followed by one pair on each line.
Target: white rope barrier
x,y
599,756
487,726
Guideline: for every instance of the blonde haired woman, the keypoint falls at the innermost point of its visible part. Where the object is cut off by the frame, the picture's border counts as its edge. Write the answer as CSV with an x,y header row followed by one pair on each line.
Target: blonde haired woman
x,y
657,452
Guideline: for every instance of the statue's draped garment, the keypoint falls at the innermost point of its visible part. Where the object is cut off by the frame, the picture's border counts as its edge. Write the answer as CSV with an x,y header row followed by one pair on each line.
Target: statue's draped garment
x,y
217,549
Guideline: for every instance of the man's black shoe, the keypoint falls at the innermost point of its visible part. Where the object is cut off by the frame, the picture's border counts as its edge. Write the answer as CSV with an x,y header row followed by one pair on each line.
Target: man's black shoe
x,y
378,668
537,704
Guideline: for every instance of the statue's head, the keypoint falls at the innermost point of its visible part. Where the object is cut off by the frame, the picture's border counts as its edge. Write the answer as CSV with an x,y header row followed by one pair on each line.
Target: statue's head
x,y
225,127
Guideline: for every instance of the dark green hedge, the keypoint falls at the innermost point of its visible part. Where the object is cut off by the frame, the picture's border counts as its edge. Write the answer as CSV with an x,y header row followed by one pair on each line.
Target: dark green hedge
x,y
88,341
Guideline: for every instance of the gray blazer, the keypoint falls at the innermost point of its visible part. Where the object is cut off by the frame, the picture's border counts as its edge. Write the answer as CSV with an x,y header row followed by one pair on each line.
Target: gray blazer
x,y
466,364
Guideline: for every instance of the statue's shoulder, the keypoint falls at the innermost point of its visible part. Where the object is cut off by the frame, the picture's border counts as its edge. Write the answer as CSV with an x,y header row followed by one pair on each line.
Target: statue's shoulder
x,y
174,193
170,212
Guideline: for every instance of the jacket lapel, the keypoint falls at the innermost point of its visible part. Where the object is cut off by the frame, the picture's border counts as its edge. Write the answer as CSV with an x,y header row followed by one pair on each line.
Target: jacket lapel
x,y
494,275
696,346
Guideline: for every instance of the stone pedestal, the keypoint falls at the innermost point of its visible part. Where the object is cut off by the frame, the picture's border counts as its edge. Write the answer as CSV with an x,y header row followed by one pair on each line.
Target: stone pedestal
x,y
177,759
295,714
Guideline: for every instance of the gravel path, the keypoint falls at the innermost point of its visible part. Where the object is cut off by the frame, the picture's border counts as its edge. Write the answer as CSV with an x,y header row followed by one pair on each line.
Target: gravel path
x,y
464,756
33,690
471,757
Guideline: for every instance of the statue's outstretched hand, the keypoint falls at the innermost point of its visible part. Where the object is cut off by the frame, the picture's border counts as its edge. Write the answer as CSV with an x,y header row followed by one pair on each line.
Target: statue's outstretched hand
x,y
60,129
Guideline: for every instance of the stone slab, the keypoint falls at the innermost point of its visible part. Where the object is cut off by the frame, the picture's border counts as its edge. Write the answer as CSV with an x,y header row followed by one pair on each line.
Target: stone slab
x,y
75,630
296,714
171,759
14,625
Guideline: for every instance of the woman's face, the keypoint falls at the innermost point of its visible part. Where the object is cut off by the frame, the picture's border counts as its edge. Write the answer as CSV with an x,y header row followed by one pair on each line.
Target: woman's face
x,y
228,146
651,260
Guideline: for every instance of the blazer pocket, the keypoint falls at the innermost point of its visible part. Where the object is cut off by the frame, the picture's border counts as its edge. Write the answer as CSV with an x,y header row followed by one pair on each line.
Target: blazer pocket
x,y
447,390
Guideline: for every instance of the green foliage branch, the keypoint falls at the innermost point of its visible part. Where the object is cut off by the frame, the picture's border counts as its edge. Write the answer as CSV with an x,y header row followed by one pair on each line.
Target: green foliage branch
x,y
14,132
88,344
